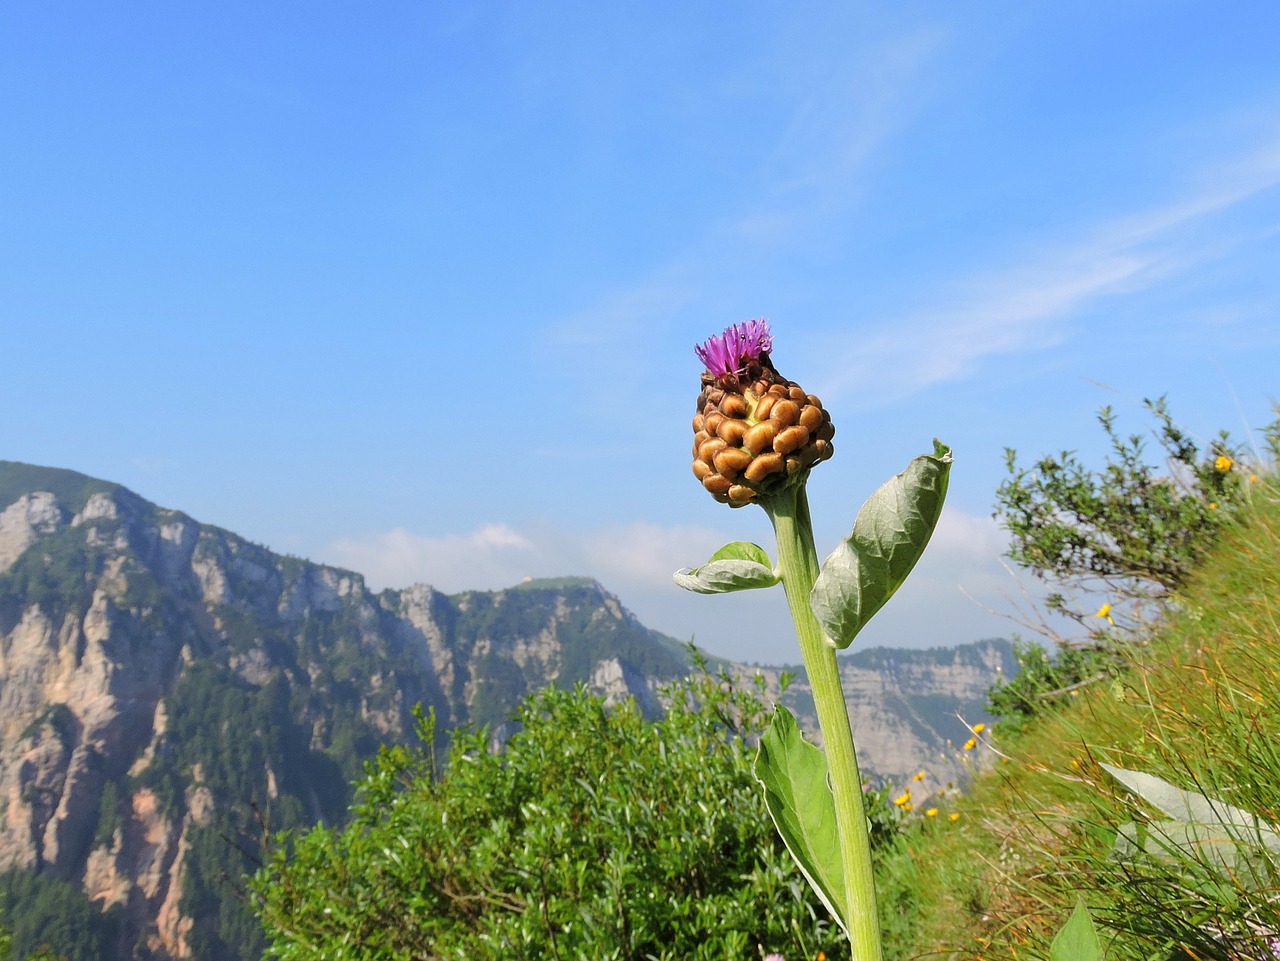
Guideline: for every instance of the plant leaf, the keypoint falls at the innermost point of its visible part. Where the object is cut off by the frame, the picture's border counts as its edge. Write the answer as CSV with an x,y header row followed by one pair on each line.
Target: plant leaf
x,y
1078,938
1203,832
1188,806
740,566
799,798
889,535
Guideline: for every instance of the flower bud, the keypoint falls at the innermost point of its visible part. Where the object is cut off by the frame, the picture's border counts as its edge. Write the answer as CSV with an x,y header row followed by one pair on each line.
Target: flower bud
x,y
755,432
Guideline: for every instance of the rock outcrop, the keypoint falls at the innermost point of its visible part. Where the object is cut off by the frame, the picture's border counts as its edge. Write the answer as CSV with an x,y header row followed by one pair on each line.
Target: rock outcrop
x,y
163,681
170,691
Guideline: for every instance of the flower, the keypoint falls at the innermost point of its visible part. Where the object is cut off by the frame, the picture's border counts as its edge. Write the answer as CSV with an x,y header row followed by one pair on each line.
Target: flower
x,y
931,813
904,799
979,727
970,744
1105,611
734,351
1213,505
755,433
953,816
1253,479
1223,463
918,776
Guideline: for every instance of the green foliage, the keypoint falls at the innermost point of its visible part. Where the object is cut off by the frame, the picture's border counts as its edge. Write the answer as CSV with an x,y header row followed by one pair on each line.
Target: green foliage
x,y
740,566
889,536
226,734
1045,681
1127,535
595,834
1154,795
71,489
1078,939
56,576
109,818
797,792
1132,527
49,918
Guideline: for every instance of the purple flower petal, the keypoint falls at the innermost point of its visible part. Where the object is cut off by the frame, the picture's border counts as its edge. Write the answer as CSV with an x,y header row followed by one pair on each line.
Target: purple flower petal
x,y
733,351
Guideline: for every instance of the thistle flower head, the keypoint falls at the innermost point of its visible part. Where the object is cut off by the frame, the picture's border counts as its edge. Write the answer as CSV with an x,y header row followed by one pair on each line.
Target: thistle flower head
x,y
732,353
755,433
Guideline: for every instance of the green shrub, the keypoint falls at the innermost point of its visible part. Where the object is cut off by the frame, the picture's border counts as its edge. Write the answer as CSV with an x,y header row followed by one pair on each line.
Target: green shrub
x,y
1114,543
594,834
1133,528
1045,680
44,917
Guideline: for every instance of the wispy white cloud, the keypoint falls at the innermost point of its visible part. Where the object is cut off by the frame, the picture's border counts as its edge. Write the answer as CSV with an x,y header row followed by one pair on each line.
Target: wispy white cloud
x,y
632,556
644,555
635,561
489,557
813,170
841,120
1029,306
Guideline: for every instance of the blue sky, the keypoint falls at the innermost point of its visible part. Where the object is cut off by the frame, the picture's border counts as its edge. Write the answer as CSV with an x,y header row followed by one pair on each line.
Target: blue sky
x,y
413,288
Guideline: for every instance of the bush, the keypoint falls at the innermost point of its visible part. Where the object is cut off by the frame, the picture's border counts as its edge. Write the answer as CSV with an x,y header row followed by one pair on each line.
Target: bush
x,y
1132,528
1046,680
595,834
1114,543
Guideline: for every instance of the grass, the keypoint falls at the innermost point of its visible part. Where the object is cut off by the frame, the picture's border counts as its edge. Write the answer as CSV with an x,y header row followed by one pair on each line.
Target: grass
x,y
1199,706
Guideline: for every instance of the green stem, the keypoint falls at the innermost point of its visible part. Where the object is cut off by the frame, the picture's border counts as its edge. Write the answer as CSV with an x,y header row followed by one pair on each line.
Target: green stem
x,y
798,565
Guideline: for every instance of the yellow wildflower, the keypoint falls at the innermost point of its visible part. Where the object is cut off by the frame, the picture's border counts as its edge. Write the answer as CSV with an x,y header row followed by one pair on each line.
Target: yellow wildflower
x,y
979,727
954,816
1223,463
1253,478
918,776
1213,506
931,813
1105,611
904,799
970,744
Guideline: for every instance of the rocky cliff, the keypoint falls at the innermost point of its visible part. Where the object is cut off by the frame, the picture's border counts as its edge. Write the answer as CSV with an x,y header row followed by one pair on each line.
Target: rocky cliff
x,y
912,710
164,683
167,689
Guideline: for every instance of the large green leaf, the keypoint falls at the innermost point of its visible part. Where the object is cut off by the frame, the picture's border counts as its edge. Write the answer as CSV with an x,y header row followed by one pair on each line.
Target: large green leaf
x,y
1187,805
740,566
1202,831
796,790
889,535
1078,939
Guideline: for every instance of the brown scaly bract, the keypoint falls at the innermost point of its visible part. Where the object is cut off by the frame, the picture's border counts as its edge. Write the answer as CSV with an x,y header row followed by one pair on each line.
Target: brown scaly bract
x,y
755,432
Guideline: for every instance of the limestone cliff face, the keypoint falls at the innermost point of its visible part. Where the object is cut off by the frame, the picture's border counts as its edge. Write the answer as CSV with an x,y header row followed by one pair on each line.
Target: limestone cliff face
x,y
912,710
166,685
160,679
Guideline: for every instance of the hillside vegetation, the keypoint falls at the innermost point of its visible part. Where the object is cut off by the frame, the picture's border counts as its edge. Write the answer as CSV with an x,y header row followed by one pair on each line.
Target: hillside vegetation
x,y
1195,702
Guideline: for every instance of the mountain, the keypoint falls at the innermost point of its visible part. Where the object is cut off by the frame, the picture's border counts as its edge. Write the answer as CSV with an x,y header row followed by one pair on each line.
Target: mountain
x,y
169,689
911,710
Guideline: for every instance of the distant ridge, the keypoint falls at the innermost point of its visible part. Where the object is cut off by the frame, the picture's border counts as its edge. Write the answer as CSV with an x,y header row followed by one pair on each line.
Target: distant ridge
x,y
163,683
